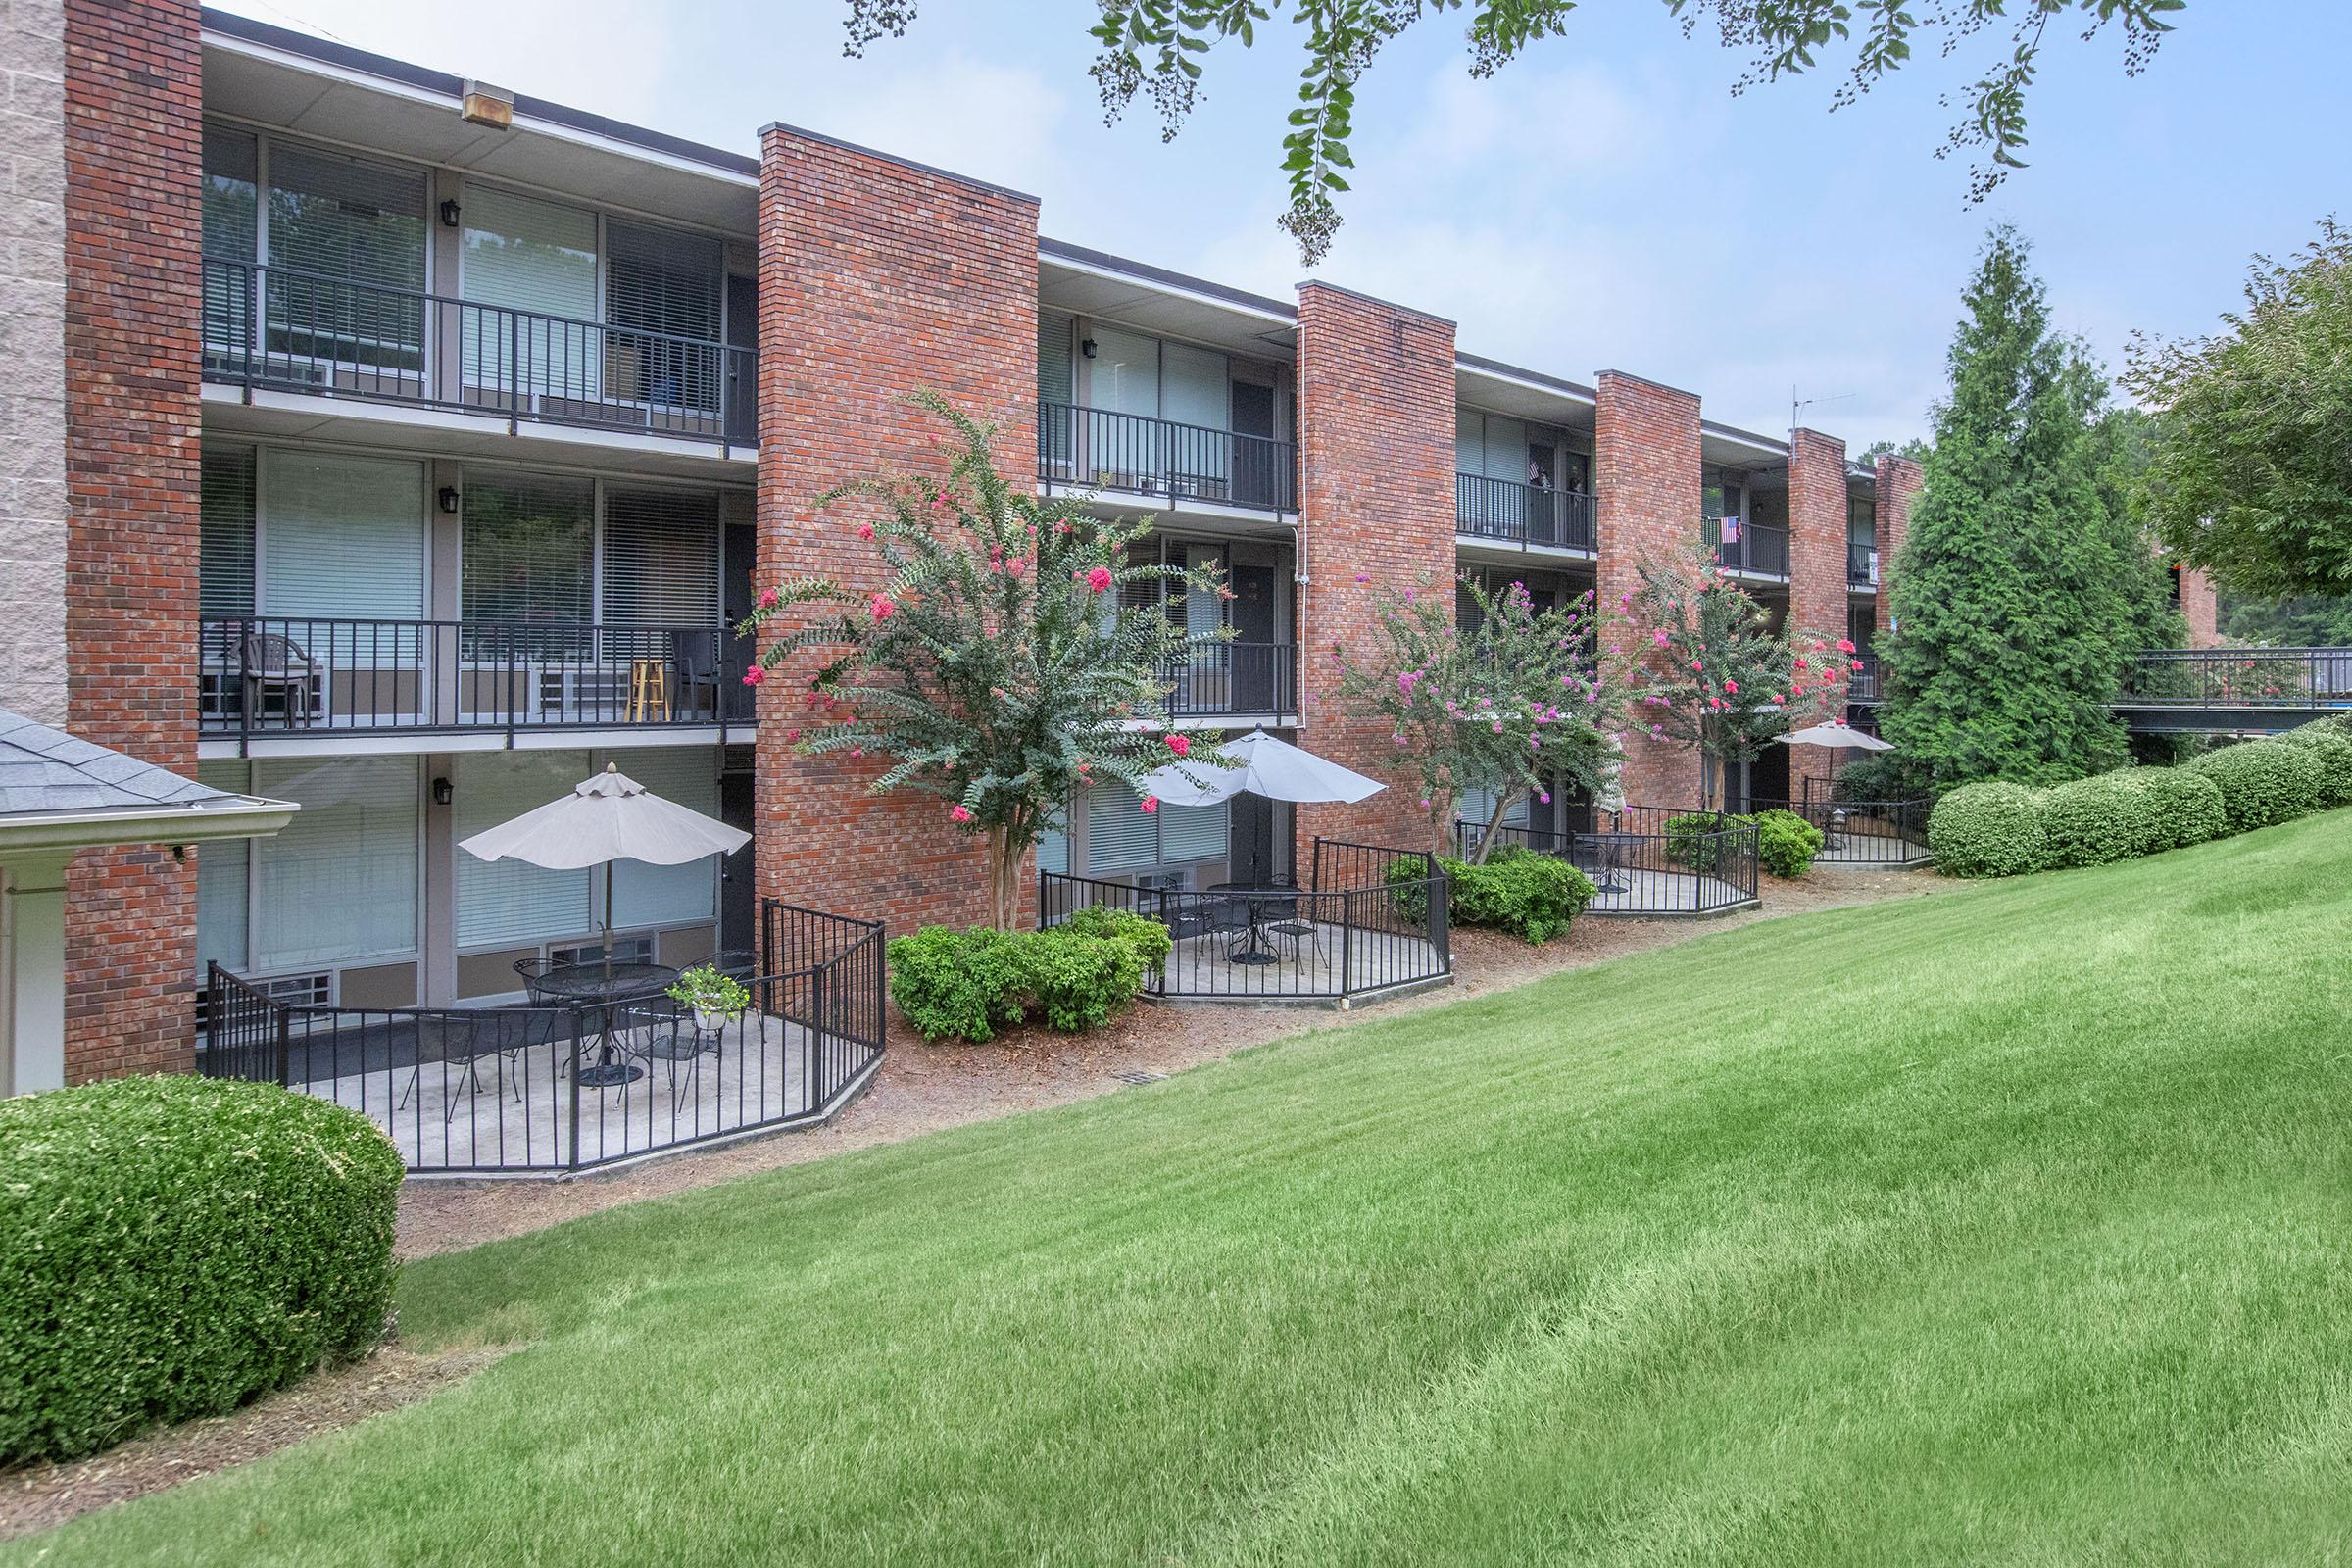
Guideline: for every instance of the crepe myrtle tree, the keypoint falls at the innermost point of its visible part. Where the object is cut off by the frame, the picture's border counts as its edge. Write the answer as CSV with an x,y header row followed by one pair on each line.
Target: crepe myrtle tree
x,y
1701,667
1003,666
1509,705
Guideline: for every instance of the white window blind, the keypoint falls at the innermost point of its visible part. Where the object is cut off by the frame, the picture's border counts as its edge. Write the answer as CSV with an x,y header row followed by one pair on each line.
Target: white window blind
x,y
528,549
661,281
1121,835
506,904
1054,356
1505,449
645,895
538,258
1124,374
1054,844
231,200
342,536
1193,832
338,883
660,558
1204,611
221,881
1195,386
1469,441
1476,807
347,246
225,531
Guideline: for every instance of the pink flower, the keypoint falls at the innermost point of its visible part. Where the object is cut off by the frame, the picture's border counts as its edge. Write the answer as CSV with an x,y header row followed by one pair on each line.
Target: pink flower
x,y
1151,803
1731,686
1099,579
753,675
1857,664
882,607
1696,666
866,530
960,814
793,735
1845,645
857,751
939,501
770,598
1180,745
1659,637
1545,796
1800,664
1014,567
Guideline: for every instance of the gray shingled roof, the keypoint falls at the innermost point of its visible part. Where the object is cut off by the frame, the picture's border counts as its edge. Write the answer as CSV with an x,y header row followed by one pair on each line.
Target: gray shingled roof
x,y
44,770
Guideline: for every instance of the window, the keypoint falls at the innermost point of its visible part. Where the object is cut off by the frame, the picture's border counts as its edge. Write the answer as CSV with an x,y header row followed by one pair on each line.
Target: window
x,y
643,894
537,259
1124,374
661,557
346,246
338,883
508,904
1054,844
528,549
223,892
1121,836
342,535
664,285
231,200
225,531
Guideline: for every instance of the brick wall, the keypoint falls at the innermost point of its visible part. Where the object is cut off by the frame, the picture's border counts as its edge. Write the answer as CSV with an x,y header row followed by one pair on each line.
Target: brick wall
x,y
132,241
1817,523
1899,485
876,278
1376,401
32,330
2199,605
1647,471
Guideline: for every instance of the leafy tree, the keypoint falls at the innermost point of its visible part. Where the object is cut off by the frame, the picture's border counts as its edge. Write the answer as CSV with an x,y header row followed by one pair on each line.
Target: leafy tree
x,y
2019,592
2305,622
1703,669
1915,449
2252,477
999,667
1160,47
1508,706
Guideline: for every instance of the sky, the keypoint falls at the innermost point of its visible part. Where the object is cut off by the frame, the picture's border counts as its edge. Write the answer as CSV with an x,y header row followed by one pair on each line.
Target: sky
x,y
1603,202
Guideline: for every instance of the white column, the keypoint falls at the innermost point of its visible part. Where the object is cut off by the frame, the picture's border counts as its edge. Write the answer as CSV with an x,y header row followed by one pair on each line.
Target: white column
x,y
32,990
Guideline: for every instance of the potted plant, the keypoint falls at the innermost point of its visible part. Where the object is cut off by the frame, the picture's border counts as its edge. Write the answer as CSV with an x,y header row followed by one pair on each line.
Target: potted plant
x,y
716,999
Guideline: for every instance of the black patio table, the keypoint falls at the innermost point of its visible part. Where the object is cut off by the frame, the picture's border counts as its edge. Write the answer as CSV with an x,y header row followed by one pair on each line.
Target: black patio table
x,y
1256,898
600,983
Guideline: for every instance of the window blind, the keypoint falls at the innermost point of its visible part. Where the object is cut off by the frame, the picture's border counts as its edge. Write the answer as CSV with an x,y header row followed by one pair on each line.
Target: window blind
x,y
1054,844
360,224
661,564
1469,441
231,197
1054,379
1505,449
1124,374
338,883
508,904
221,881
1204,611
1195,386
535,257
1192,832
1121,835
645,895
528,549
342,536
225,531
1477,807
672,283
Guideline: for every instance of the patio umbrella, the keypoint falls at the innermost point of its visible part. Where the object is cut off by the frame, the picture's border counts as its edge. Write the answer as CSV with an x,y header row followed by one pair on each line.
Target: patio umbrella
x,y
1263,766
1834,734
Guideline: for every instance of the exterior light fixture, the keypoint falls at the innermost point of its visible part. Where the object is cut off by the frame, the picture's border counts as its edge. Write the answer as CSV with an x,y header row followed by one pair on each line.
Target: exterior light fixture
x,y
1087,348
442,793
447,497
449,212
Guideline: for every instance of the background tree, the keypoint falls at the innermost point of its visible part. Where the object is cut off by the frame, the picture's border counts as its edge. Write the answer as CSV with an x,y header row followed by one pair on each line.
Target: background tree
x,y
2022,587
2304,621
1160,47
1701,667
2252,470
1000,666
1509,706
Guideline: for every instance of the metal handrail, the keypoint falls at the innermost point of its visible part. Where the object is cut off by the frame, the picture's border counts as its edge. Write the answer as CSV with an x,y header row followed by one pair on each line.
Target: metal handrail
x,y
1213,677
1104,449
1512,513
2240,677
1762,548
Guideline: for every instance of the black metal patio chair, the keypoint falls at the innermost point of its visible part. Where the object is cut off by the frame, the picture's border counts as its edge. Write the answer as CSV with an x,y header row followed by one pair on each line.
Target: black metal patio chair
x,y
659,1032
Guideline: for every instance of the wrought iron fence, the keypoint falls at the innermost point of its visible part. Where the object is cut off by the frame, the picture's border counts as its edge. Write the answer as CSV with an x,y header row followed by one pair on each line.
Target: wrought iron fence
x,y
1886,834
1647,860
282,675
1100,449
1512,513
1324,943
1862,685
288,329
1215,679
2240,677
568,1086
1861,562
1760,549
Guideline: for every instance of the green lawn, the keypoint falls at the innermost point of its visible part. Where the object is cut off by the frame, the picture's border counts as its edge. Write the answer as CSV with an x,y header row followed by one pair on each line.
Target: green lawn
x,y
2010,1225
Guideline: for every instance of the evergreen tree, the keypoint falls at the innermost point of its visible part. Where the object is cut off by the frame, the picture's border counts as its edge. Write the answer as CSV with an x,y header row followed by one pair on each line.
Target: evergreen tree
x,y
2025,582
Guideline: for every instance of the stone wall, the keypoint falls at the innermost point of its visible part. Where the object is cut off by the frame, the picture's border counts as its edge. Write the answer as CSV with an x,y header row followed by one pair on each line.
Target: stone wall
x,y
32,344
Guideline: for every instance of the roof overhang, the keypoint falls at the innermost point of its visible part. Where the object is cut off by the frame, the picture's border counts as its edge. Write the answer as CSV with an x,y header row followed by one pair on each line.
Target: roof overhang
x,y
235,816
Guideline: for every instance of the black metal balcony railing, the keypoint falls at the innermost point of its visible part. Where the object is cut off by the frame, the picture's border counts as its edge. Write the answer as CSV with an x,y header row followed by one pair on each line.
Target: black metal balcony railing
x,y
1097,449
1512,513
1217,679
1862,685
1861,564
1759,548
2240,677
277,675
284,330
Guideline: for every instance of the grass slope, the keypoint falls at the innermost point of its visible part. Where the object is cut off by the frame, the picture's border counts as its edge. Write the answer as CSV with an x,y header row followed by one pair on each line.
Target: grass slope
x,y
2010,1225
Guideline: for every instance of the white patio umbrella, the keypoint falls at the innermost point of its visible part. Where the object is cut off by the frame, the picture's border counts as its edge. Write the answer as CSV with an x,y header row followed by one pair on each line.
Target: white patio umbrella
x,y
1263,766
1835,735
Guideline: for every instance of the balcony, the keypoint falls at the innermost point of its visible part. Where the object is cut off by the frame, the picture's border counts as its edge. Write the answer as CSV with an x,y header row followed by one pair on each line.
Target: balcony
x,y
1097,449
1861,564
279,329
1863,685
1757,549
270,677
1507,512
1234,680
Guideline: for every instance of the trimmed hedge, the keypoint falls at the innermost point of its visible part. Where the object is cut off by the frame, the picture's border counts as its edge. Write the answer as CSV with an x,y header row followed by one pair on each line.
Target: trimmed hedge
x,y
1786,843
966,985
2184,807
2332,751
2095,820
1988,829
1525,892
2262,782
173,1248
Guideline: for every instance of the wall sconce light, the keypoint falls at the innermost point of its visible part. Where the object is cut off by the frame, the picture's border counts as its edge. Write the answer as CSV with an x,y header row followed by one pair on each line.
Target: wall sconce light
x,y
442,793
449,212
1087,348
447,497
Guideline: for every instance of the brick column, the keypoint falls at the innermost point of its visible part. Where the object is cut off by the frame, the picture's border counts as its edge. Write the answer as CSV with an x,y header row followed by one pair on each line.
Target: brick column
x,y
2203,610
877,279
1376,401
133,236
1899,485
1817,523
1646,469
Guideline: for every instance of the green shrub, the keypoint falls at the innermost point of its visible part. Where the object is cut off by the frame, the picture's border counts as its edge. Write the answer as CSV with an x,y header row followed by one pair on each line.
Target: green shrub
x,y
963,985
2184,807
1988,829
2262,782
2333,752
1697,840
171,1247
1531,895
2096,820
1078,981
2336,724
1786,843
1148,937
